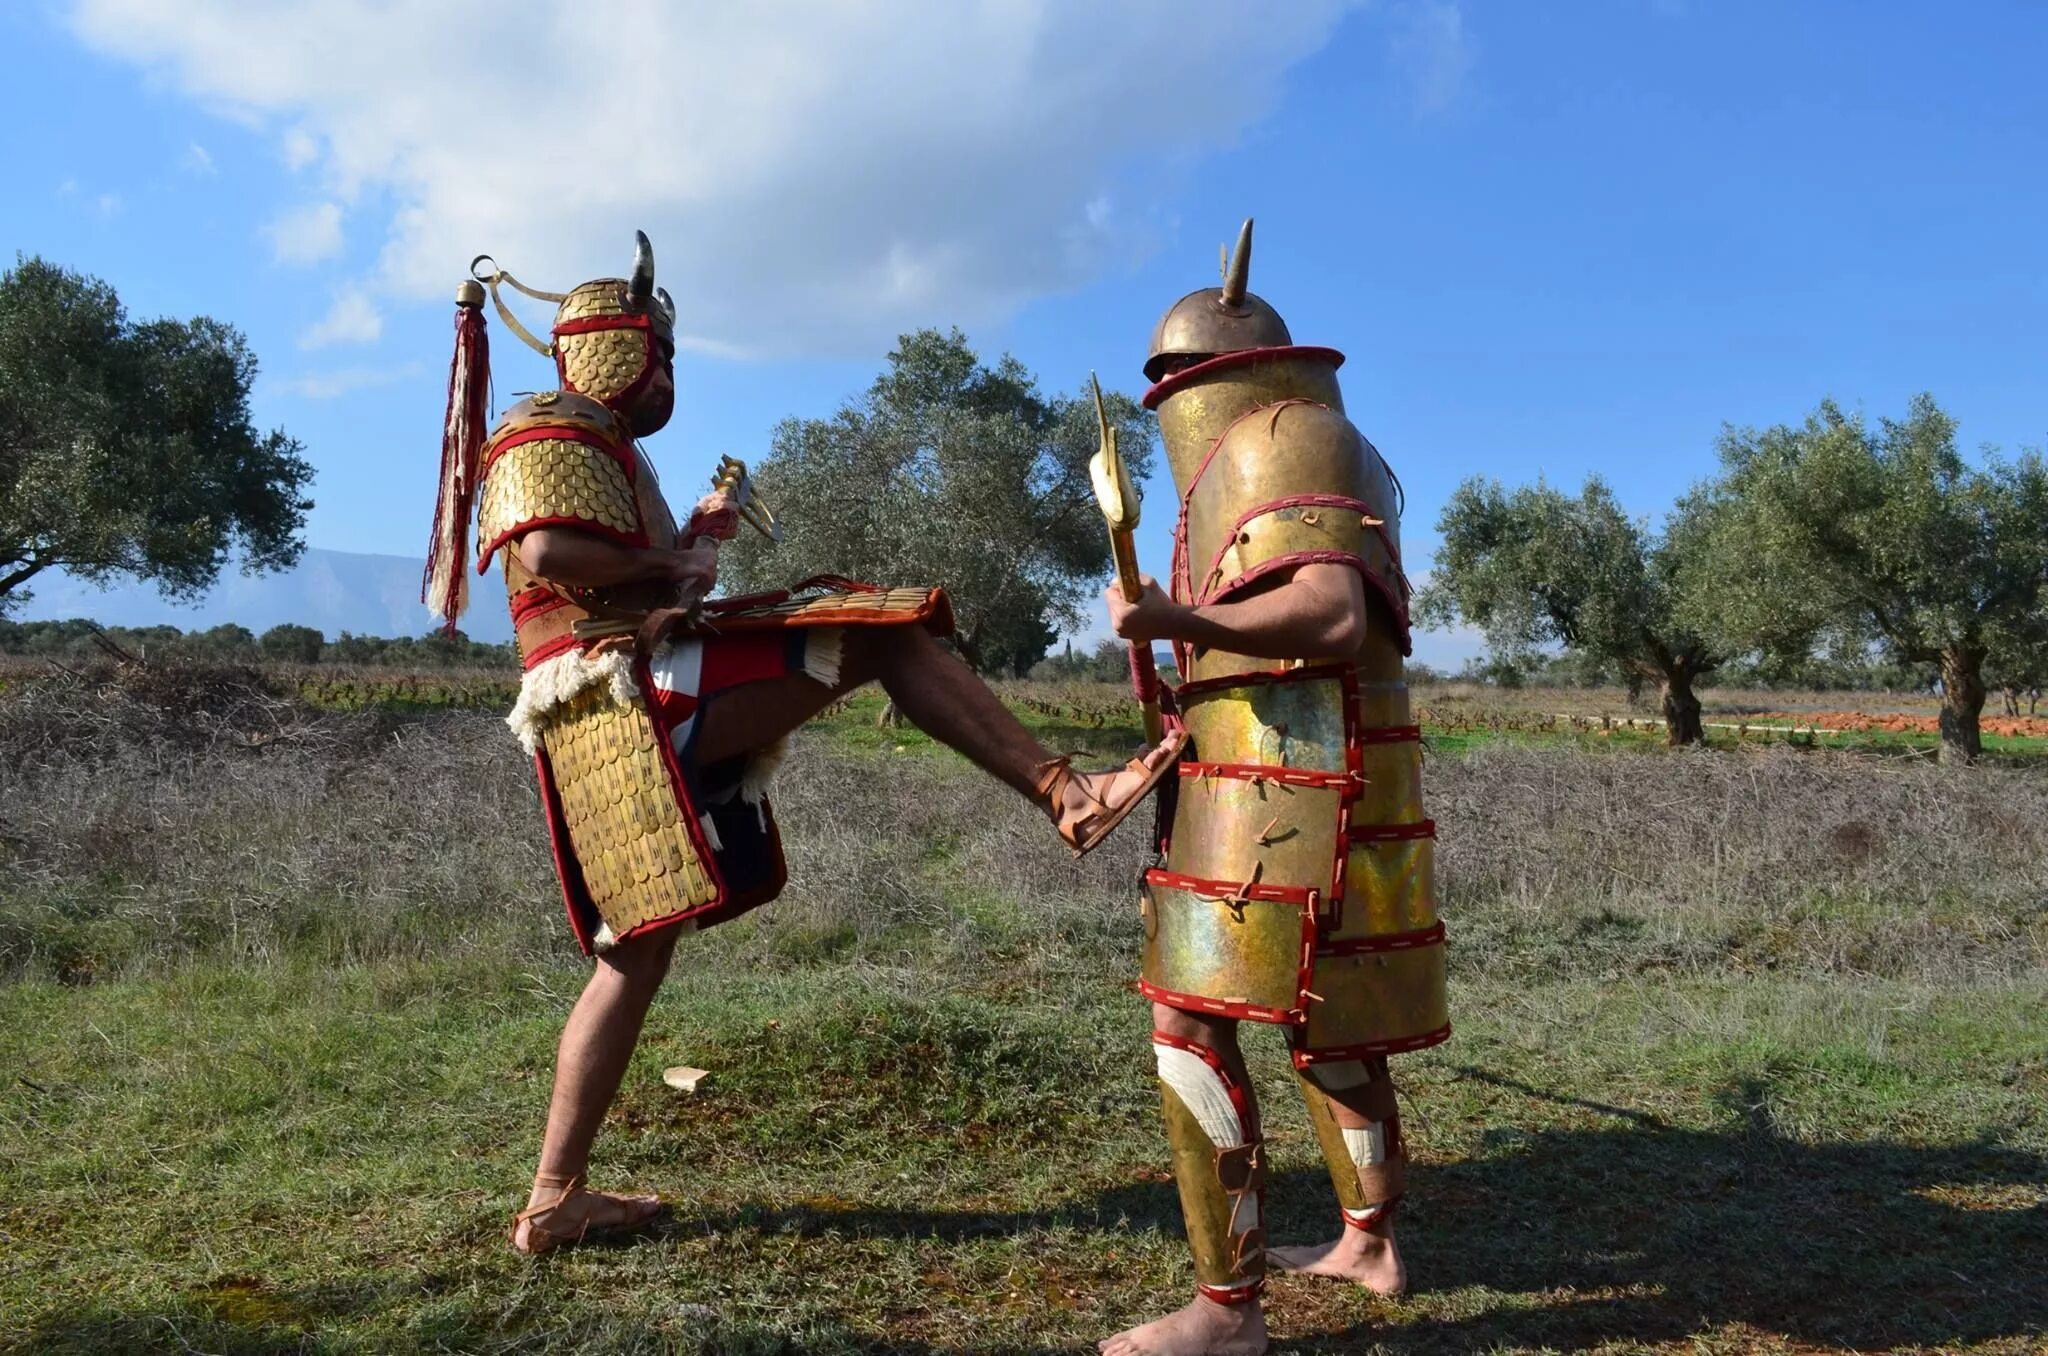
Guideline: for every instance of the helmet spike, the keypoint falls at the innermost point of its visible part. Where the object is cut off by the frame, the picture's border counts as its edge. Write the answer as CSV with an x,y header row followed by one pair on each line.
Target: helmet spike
x,y
640,287
1237,275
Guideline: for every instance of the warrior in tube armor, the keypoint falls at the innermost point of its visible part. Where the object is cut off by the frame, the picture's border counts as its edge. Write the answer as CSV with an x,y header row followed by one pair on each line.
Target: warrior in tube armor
x,y
655,718
1294,886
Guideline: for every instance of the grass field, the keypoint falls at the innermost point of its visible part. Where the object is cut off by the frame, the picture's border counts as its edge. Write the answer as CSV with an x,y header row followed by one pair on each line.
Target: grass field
x,y
1751,1055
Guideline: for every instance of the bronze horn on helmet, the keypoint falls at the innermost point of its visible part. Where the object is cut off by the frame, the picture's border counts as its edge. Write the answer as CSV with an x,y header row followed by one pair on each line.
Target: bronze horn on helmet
x,y
640,286
1237,278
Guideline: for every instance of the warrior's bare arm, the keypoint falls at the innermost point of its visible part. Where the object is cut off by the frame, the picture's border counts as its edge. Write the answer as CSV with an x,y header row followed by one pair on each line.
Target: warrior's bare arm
x,y
1318,612
584,560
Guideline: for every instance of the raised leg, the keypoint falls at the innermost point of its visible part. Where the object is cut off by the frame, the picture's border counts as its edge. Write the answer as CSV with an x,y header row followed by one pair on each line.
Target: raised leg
x,y
1212,1122
1358,1122
937,693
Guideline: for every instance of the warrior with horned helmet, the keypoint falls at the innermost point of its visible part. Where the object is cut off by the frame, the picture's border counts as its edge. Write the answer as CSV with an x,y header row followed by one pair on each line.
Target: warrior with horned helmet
x,y
1295,884
655,718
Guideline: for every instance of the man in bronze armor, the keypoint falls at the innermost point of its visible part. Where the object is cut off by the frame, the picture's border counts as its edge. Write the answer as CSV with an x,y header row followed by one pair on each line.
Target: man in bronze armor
x,y
652,781
1294,886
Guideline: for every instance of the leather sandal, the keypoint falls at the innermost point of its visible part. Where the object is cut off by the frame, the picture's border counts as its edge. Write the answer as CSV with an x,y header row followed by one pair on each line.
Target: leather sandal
x,y
532,1235
1085,826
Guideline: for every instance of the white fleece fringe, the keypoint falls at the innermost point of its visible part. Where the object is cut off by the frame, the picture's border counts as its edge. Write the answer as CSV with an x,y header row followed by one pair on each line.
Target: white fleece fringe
x,y
760,771
559,680
822,650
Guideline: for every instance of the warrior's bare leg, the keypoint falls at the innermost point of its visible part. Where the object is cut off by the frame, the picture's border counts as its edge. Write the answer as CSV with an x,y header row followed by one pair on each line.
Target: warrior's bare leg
x,y
1206,1327
933,689
597,1042
1367,1164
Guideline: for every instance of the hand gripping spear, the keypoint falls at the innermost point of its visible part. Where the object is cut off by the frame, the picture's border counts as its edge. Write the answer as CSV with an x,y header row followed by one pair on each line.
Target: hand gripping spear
x,y
1119,501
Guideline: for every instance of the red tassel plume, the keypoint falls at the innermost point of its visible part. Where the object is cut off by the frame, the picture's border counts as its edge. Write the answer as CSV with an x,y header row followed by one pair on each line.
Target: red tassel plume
x,y
444,588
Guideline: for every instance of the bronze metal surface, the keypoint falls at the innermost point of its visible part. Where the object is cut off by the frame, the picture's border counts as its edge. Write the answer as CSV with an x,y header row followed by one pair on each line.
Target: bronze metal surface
x,y
1219,1224
1289,450
1330,1139
1194,417
1295,724
621,811
1233,829
1376,997
1247,953
1389,887
1217,319
555,478
603,364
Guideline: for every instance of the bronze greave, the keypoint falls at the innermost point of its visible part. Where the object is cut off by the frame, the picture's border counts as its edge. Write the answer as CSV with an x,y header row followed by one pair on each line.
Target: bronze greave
x,y
1368,1169
1222,1191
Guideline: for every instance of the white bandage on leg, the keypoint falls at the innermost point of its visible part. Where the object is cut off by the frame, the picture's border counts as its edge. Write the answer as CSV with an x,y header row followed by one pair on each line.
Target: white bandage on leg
x,y
1367,1147
1203,1091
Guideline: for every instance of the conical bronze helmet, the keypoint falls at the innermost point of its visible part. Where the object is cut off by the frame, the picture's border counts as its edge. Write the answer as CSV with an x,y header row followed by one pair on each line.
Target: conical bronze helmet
x,y
1217,320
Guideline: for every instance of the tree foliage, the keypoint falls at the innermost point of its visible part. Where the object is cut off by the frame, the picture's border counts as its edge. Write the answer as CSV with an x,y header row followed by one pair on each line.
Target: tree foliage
x,y
954,472
126,446
230,643
1535,567
1835,535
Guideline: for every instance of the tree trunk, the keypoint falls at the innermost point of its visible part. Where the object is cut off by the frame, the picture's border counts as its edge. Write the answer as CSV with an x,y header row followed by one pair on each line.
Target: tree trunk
x,y
1962,702
1681,707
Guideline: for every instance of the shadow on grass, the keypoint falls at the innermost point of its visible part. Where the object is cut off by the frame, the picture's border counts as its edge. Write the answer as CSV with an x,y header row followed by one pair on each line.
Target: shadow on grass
x,y
1561,1238
1866,1245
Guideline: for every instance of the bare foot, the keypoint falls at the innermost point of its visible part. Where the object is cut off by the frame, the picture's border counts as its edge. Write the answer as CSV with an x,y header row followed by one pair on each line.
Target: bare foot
x,y
554,1217
1365,1256
1204,1328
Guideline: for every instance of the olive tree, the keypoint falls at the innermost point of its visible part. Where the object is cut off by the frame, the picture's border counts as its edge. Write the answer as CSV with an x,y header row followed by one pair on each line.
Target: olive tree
x,y
948,471
1837,530
126,446
1534,567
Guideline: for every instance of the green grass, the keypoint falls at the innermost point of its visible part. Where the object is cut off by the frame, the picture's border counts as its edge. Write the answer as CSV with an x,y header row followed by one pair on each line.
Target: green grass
x,y
1751,1056
883,1160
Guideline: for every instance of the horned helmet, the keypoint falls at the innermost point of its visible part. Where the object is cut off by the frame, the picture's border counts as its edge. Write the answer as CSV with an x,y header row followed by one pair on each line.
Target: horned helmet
x,y
1217,320
610,335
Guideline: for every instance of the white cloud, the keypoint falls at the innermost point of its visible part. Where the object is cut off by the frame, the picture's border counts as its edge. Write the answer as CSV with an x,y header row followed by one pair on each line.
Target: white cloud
x,y
108,204
1432,49
816,175
68,188
352,319
307,235
346,380
300,149
198,160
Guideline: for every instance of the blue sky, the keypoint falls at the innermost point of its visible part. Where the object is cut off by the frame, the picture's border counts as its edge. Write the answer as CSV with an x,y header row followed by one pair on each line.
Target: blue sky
x,y
1553,241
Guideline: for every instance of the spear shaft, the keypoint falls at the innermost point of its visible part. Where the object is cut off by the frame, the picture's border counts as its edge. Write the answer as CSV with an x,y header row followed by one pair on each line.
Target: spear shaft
x,y
1119,502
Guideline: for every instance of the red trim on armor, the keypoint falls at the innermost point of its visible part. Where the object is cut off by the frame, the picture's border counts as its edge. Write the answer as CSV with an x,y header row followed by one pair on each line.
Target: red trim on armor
x,y
552,649
559,847
490,548
1220,1007
530,603
1243,357
1374,1214
1392,833
1232,1296
623,320
579,434
1305,673
1385,941
1304,895
1367,1049
1269,772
